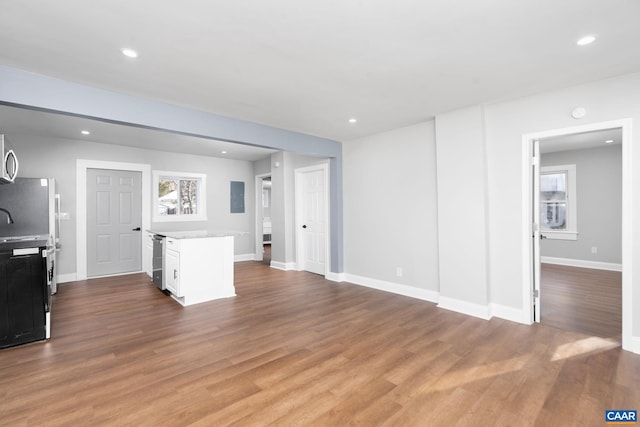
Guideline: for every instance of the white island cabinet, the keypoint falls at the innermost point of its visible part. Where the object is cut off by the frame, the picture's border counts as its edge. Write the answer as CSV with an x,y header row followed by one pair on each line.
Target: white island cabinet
x,y
198,267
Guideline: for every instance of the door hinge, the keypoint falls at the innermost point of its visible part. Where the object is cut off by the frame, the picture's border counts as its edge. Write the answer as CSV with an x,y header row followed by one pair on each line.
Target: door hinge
x,y
536,293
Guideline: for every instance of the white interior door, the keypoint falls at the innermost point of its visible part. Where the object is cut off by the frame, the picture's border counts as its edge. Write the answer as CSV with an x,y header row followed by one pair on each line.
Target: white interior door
x,y
535,227
113,222
311,218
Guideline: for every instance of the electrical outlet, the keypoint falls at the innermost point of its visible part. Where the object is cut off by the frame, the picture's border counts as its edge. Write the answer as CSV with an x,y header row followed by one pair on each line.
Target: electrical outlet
x,y
594,249
399,271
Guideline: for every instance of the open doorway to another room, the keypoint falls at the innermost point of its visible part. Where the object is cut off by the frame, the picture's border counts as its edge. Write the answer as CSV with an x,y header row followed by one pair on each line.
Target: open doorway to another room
x,y
263,218
581,232
266,220
532,235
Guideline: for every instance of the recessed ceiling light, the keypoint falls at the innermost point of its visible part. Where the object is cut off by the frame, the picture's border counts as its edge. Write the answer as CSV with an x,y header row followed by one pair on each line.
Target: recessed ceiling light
x,y
586,40
609,141
128,52
224,151
578,112
85,132
353,120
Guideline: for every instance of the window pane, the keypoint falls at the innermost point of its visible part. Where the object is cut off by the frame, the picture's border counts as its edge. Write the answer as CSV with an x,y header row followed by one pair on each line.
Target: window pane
x,y
167,197
177,196
553,186
188,196
553,216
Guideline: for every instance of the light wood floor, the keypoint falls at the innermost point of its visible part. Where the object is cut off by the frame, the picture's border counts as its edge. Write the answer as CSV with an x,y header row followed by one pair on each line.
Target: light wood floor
x,y
294,349
582,300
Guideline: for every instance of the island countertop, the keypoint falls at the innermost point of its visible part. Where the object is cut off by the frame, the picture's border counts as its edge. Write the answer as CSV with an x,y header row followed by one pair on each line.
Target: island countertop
x,y
198,234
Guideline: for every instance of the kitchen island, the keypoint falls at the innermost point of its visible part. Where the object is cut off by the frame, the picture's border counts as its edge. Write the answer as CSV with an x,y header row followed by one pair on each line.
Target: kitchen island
x,y
197,265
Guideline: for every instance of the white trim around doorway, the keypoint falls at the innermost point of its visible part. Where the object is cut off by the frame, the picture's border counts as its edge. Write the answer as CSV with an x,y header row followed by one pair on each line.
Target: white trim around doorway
x,y
627,215
81,208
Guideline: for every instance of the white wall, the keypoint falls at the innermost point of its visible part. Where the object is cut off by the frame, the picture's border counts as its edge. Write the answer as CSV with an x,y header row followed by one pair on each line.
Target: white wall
x,y
278,210
462,211
390,214
53,157
262,166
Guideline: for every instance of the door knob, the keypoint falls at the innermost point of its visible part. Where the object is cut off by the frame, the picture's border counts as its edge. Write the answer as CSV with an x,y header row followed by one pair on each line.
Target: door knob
x,y
304,226
135,229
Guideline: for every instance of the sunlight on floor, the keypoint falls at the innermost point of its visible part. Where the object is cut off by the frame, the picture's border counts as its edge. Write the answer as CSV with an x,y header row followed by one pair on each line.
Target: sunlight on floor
x,y
587,345
464,376
480,372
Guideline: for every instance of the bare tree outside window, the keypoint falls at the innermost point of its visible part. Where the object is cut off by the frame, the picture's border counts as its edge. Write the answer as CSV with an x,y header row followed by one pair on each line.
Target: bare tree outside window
x,y
178,196
188,197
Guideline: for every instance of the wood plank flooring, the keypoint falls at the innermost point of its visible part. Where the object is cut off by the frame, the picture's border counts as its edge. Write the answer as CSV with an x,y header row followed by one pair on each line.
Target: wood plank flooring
x,y
582,300
295,349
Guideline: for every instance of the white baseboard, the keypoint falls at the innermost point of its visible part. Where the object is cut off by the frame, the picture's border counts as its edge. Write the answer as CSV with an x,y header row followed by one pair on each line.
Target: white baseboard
x,y
244,257
581,263
395,288
335,277
635,345
64,278
507,313
286,266
465,307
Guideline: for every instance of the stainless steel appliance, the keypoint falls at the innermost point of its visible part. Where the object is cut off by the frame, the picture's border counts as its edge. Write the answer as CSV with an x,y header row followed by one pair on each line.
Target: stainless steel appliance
x,y
158,247
9,166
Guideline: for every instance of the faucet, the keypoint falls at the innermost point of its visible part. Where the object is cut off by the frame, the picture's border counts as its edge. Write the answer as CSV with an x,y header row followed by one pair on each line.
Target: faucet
x,y
9,219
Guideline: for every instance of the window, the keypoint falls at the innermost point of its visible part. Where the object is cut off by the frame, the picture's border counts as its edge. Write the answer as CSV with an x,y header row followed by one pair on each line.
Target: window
x,y
558,202
179,196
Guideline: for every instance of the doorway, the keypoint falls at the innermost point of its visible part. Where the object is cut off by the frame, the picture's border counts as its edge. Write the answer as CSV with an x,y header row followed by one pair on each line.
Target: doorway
x,y
312,213
82,168
264,224
531,220
114,218
581,238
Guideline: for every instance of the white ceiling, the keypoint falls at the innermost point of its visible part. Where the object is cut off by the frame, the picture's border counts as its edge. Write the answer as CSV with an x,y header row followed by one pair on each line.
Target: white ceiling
x,y
578,141
310,66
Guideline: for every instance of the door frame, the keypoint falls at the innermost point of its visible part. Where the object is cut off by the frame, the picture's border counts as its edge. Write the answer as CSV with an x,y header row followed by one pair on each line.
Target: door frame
x,y
259,251
528,261
81,208
536,234
324,168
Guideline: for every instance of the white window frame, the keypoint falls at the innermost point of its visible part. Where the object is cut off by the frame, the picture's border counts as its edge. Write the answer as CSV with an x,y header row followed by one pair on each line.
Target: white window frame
x,y
201,215
571,233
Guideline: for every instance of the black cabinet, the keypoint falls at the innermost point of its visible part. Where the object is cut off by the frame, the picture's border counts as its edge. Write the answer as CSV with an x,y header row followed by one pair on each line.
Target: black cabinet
x,y
23,298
